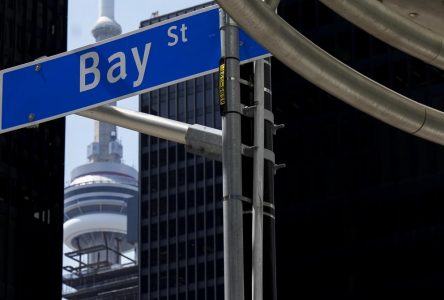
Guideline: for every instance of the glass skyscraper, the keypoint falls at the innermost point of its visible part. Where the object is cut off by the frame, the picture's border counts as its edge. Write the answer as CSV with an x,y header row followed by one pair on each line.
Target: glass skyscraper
x,y
181,242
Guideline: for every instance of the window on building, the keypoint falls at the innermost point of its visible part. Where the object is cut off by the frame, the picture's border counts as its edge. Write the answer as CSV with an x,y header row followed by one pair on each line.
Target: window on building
x,y
172,203
172,278
153,282
172,228
162,230
209,197
190,199
200,221
153,207
220,268
201,272
182,250
181,200
153,257
191,248
163,255
190,223
210,269
172,253
144,234
144,284
210,219
153,232
162,205
191,270
182,278
172,155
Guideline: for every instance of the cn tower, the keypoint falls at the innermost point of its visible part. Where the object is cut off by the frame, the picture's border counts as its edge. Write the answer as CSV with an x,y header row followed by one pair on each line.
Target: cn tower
x,y
97,198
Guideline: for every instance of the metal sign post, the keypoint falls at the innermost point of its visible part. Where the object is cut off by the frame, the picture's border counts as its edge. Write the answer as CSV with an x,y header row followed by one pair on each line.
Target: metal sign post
x,y
231,161
258,184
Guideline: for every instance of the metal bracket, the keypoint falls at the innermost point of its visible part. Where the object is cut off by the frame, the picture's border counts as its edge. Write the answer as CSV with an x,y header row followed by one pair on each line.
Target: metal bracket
x,y
248,150
268,204
246,82
276,127
237,197
278,167
248,111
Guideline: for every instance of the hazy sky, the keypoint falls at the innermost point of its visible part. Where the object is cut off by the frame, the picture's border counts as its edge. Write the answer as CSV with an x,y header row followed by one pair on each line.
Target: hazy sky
x,y
82,15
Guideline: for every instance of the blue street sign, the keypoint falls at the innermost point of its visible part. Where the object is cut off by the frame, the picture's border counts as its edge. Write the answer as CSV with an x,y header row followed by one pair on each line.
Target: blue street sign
x,y
149,58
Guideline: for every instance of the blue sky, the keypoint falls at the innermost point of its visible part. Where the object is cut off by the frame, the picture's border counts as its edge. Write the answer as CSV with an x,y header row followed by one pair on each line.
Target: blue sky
x,y
82,15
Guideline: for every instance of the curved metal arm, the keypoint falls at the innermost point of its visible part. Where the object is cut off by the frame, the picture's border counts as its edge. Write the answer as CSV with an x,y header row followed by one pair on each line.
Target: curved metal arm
x,y
392,28
331,75
273,3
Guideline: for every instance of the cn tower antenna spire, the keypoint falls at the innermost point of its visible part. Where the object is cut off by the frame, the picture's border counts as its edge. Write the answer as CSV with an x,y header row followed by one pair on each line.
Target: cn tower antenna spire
x,y
105,147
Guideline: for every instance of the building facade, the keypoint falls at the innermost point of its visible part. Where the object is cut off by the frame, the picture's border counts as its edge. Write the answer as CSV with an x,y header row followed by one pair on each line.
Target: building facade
x,y
31,163
181,214
360,201
358,208
181,240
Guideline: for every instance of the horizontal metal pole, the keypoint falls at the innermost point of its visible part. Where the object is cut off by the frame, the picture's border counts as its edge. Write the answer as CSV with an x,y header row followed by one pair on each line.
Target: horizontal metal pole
x,y
392,28
198,139
331,75
144,123
205,141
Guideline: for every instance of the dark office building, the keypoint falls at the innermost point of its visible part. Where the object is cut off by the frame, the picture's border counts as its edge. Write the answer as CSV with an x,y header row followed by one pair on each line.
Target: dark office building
x,y
360,211
31,163
181,241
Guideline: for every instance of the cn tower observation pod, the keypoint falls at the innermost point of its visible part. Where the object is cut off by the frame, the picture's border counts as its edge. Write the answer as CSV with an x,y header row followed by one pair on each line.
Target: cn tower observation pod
x,y
96,204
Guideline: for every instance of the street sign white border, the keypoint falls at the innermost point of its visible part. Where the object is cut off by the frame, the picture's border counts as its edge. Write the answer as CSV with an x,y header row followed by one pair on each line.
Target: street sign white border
x,y
39,61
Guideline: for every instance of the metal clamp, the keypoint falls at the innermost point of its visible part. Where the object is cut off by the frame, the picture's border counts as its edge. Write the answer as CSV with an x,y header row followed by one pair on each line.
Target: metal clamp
x,y
237,197
248,150
276,127
278,167
248,111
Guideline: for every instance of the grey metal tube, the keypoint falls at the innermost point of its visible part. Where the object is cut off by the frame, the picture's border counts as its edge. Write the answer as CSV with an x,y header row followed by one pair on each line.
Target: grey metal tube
x,y
232,164
198,139
258,184
204,141
272,3
392,28
149,124
320,68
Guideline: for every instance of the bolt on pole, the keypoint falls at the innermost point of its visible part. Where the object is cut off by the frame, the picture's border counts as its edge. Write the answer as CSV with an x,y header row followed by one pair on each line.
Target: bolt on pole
x,y
231,161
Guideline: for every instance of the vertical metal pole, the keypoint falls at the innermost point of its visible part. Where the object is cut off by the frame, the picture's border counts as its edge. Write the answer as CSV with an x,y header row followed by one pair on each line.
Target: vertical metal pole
x,y
258,183
269,254
232,163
